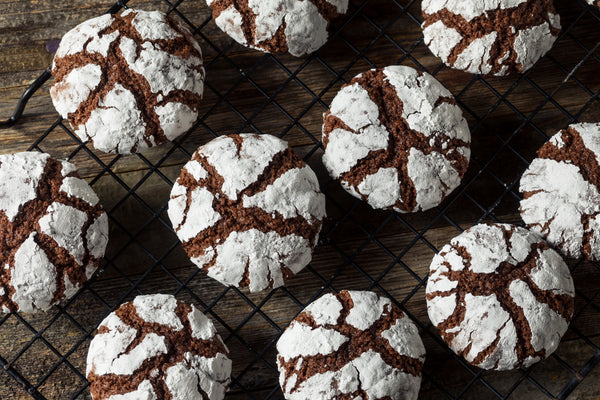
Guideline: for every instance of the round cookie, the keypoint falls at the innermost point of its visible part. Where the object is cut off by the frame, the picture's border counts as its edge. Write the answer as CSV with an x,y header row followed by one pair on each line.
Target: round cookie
x,y
492,37
594,2
500,296
155,347
561,191
351,345
128,82
248,210
299,27
396,138
53,231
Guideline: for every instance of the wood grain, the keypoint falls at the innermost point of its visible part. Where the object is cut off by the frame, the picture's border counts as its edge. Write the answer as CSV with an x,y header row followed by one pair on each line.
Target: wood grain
x,y
143,253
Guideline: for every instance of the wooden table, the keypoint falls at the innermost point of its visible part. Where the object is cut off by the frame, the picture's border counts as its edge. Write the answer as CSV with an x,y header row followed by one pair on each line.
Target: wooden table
x,y
355,236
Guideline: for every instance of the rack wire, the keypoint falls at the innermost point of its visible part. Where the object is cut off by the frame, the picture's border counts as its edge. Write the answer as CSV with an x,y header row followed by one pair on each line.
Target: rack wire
x,y
359,248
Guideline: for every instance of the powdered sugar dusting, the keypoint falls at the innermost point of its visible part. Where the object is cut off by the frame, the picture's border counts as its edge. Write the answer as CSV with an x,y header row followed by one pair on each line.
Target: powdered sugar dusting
x,y
474,319
295,193
428,113
210,374
263,254
257,255
241,169
33,277
441,39
74,41
421,107
195,366
75,88
547,327
200,216
433,177
520,47
304,27
201,326
65,224
367,308
468,9
382,188
325,310
140,36
558,198
527,55
230,21
346,148
144,391
323,341
403,336
117,124
353,370
79,189
19,177
152,25
159,309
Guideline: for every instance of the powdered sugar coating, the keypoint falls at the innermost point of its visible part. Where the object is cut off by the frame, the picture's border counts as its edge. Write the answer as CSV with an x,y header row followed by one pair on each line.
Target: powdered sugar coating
x,y
147,343
237,206
152,97
500,325
52,222
473,36
297,26
421,122
561,201
353,350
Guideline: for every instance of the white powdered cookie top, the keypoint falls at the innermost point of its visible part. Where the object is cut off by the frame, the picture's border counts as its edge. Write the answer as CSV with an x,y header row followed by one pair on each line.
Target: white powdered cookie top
x,y
300,25
317,335
532,31
127,342
561,201
354,130
20,175
263,179
476,321
66,218
156,76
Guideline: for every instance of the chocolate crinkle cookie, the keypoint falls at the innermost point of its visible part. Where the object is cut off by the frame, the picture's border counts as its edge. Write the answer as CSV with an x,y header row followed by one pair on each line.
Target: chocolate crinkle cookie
x,y
53,231
491,37
155,347
248,210
561,191
594,2
396,138
299,27
351,345
128,82
500,296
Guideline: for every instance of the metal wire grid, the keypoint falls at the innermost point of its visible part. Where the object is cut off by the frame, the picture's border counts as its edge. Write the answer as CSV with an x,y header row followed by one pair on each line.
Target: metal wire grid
x,y
348,216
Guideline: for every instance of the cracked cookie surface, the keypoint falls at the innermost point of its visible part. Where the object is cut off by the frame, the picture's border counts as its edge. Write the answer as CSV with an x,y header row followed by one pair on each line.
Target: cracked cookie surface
x,y
500,296
396,138
299,27
248,210
128,82
490,37
155,347
53,231
351,345
561,191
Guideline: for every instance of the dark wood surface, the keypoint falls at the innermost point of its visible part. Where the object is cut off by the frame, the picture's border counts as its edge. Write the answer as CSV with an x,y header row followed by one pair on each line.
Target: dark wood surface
x,y
27,28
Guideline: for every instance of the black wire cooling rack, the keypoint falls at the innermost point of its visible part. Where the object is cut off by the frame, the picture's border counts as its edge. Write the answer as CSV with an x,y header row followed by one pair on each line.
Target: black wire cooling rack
x,y
44,355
